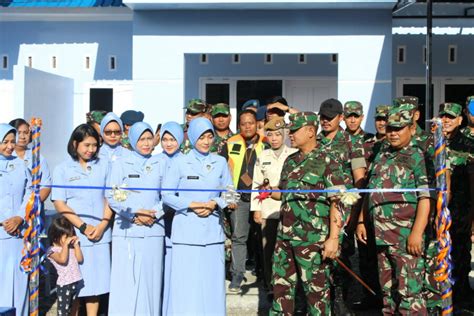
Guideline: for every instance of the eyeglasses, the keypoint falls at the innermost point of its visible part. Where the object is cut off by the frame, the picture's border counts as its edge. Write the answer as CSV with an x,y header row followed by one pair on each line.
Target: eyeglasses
x,y
109,133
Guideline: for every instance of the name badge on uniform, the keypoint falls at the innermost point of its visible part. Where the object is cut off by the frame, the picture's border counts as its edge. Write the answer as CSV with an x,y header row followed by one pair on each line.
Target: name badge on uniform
x,y
193,177
236,149
266,163
74,179
134,176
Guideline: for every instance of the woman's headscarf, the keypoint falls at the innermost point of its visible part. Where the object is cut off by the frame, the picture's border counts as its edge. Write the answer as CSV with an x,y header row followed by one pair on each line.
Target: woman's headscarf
x,y
136,131
110,117
5,129
197,127
174,129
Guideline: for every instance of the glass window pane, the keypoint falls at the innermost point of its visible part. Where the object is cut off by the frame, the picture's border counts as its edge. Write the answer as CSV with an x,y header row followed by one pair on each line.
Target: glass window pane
x,y
257,89
217,93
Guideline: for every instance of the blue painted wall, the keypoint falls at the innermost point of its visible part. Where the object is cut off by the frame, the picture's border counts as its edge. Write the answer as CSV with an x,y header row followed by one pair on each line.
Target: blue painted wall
x,y
113,38
414,66
252,65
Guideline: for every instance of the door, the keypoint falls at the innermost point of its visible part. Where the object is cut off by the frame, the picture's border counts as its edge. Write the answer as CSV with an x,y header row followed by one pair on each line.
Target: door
x,y
307,95
101,99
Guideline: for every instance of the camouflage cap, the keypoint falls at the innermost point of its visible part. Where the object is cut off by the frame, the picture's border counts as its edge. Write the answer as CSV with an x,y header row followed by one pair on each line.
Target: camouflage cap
x,y
406,100
95,116
453,109
382,110
275,124
353,107
300,119
470,104
399,117
220,108
196,106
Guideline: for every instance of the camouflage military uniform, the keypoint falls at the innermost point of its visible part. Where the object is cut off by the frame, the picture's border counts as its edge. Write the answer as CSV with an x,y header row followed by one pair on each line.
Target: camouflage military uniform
x,y
186,145
194,107
219,142
393,215
304,227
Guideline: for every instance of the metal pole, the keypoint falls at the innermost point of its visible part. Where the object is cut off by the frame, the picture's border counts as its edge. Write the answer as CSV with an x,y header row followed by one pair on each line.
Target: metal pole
x,y
429,74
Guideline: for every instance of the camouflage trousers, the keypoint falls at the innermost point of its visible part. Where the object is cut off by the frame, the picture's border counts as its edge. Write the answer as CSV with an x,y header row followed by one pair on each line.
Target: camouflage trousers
x,y
431,288
291,261
401,278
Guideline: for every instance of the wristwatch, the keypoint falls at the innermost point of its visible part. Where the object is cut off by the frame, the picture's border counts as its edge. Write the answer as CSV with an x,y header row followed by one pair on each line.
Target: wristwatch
x,y
82,228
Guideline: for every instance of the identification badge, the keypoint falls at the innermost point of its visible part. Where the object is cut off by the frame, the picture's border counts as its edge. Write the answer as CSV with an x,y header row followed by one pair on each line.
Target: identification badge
x,y
193,177
74,179
134,176
246,179
266,163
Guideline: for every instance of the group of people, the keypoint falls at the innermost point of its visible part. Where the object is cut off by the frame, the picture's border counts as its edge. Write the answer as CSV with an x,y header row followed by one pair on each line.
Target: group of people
x,y
159,240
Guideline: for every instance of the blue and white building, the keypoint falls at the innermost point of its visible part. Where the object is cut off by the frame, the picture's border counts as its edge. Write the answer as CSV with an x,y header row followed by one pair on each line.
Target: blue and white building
x,y
59,59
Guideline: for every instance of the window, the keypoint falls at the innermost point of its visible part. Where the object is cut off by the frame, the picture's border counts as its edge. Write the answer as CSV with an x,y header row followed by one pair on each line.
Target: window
x,y
4,62
54,63
203,59
236,58
257,89
101,99
302,59
217,93
30,61
333,58
112,63
452,54
268,59
401,54
87,63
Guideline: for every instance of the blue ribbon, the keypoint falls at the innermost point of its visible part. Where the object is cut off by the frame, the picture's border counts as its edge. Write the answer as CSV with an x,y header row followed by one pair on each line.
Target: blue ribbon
x,y
85,187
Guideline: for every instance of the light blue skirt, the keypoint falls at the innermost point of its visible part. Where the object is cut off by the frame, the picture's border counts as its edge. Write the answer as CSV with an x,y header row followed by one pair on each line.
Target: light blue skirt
x,y
167,274
197,280
13,282
137,276
95,269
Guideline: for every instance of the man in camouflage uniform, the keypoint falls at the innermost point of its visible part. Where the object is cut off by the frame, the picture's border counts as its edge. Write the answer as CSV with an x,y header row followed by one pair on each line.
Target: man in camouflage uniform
x,y
372,145
425,142
221,119
367,251
399,218
309,231
195,108
349,153
353,117
460,146
468,132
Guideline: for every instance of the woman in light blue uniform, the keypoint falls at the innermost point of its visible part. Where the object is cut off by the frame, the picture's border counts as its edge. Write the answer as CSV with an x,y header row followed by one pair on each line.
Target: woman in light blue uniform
x,y
137,242
111,129
197,265
14,192
87,210
25,153
171,135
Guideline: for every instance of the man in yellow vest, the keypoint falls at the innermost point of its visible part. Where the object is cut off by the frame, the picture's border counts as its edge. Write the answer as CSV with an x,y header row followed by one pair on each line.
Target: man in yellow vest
x,y
241,152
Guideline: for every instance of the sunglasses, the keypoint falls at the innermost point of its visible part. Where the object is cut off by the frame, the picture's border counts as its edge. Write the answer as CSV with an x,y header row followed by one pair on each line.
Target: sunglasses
x,y
109,133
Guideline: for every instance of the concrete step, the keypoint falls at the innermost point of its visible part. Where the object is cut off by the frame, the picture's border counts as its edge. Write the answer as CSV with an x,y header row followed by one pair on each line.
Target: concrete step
x,y
251,300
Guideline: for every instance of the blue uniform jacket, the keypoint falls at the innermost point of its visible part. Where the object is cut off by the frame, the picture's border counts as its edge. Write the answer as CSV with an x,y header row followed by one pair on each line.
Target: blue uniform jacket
x,y
195,171
88,204
111,154
135,170
15,190
44,168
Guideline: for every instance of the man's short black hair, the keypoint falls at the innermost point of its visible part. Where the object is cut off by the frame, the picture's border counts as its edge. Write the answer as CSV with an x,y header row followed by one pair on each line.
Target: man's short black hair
x,y
248,112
